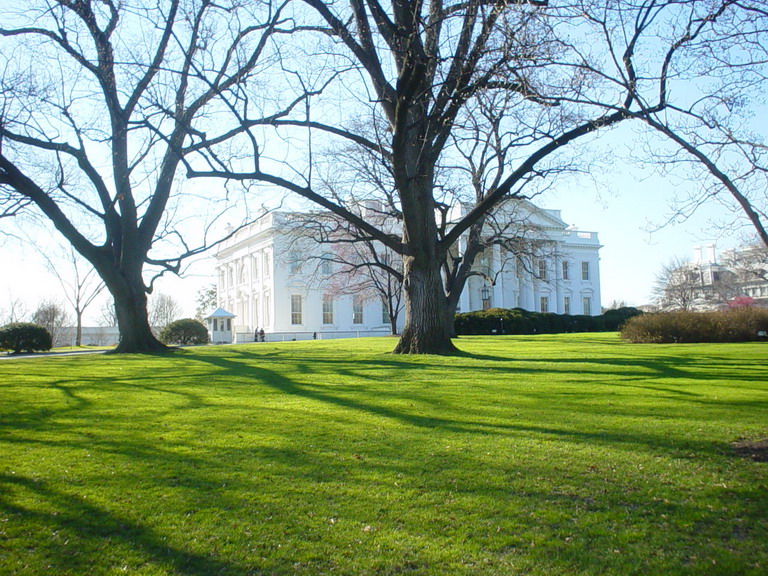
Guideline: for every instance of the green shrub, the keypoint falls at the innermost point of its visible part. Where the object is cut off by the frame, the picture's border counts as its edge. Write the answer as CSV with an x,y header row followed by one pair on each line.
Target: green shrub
x,y
519,321
25,337
614,319
733,325
184,331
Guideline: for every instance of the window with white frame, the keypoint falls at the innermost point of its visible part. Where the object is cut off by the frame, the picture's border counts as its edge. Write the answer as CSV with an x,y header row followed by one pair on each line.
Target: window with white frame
x,y
544,302
294,260
585,270
267,265
255,268
566,270
357,310
566,305
326,266
384,312
327,309
296,309
586,305
543,269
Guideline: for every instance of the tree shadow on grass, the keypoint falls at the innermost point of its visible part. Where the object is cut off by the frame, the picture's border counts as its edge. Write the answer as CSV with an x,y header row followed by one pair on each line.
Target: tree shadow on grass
x,y
468,423
90,534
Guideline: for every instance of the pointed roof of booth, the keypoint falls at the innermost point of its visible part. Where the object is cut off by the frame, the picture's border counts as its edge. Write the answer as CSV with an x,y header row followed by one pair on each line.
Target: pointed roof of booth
x,y
220,313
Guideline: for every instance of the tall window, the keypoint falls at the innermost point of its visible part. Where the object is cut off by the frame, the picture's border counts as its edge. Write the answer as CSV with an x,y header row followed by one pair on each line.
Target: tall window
x,y
295,262
543,269
255,268
545,303
327,309
585,270
326,267
267,265
566,305
384,312
566,271
296,309
586,303
267,309
357,310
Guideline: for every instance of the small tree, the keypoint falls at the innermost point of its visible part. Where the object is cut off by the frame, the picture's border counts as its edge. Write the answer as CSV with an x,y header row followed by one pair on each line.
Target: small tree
x,y
80,282
14,310
25,337
206,302
163,309
53,317
184,331
677,285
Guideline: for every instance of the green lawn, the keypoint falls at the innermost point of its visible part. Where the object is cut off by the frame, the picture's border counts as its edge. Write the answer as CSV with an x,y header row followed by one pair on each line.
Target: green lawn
x,y
569,454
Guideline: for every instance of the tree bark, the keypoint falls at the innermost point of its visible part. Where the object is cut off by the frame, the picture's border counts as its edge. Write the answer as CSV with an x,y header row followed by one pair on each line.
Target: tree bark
x,y
426,330
79,328
130,298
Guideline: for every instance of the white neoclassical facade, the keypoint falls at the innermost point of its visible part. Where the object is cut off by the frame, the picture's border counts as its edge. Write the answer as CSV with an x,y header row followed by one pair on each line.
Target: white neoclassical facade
x,y
271,283
559,272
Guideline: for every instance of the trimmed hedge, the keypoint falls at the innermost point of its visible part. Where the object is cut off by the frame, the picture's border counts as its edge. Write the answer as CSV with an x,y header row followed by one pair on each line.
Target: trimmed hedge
x,y
25,337
184,331
740,324
519,321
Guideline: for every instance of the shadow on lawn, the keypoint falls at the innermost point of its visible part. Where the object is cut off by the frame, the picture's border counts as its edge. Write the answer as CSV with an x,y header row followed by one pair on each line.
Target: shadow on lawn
x,y
469,423
82,535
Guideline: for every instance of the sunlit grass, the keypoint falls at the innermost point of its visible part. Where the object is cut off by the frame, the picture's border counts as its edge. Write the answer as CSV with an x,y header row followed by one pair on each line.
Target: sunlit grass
x,y
570,454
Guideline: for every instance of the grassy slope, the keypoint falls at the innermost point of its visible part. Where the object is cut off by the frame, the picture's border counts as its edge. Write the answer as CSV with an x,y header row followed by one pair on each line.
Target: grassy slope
x,y
572,454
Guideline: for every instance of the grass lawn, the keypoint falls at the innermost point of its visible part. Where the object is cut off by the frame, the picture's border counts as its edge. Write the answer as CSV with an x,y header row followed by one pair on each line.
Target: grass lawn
x,y
547,455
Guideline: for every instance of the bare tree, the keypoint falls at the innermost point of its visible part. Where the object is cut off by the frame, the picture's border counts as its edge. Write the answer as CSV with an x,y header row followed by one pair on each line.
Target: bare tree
x,y
79,281
163,309
713,133
53,317
566,70
370,270
108,316
14,311
346,260
678,285
100,103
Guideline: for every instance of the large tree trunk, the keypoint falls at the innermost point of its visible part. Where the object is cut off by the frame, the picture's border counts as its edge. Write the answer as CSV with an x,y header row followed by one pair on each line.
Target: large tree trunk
x,y
426,330
130,298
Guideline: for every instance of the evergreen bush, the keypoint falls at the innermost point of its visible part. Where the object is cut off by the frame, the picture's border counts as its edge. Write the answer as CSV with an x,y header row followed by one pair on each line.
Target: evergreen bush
x,y
25,337
184,331
519,321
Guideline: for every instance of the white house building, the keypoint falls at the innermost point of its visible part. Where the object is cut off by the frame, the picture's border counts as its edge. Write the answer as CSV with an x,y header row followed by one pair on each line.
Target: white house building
x,y
270,282
558,272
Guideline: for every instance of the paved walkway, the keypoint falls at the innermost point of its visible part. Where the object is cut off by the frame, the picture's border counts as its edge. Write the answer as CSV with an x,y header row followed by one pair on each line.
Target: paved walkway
x,y
42,354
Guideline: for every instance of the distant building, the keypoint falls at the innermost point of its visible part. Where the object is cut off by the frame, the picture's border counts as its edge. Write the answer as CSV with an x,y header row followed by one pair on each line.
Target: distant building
x,y
712,283
270,283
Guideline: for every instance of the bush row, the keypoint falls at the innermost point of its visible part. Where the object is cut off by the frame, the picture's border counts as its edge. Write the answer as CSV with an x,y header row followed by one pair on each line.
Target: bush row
x,y
519,321
732,325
